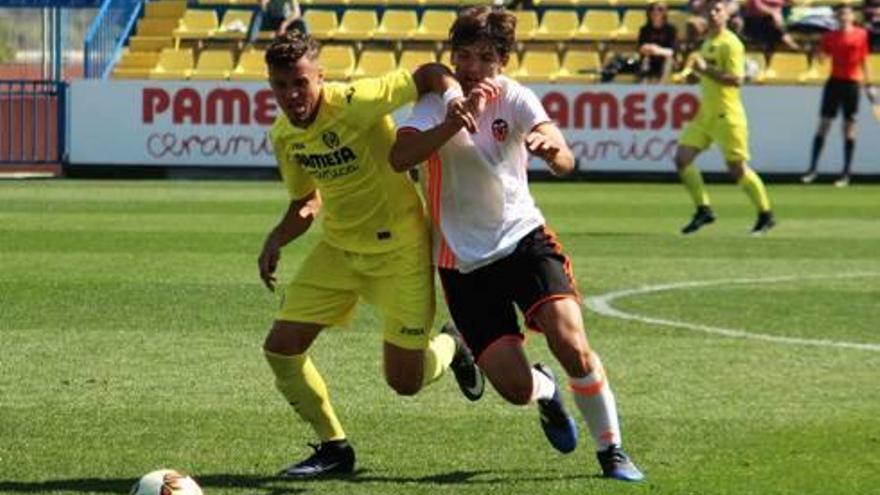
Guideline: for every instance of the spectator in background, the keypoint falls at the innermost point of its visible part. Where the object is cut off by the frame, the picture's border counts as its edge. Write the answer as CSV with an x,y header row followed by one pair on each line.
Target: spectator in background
x,y
656,44
764,23
281,16
872,22
848,48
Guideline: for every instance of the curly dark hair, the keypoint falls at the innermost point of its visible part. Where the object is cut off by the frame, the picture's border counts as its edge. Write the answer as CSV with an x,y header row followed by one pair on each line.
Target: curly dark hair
x,y
494,24
289,47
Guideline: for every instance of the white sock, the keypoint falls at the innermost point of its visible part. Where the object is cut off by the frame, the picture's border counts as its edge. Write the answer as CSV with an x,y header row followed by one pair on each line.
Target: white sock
x,y
543,387
594,399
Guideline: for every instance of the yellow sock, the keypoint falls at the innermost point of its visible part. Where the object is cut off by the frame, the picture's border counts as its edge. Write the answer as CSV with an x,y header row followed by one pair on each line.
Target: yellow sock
x,y
755,190
693,182
438,355
300,383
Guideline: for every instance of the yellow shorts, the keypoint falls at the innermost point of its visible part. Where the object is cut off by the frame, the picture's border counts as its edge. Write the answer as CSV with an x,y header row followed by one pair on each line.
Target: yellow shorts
x,y
399,283
731,136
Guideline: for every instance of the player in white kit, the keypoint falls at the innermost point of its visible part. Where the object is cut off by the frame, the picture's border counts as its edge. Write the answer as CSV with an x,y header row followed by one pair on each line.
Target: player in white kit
x,y
492,247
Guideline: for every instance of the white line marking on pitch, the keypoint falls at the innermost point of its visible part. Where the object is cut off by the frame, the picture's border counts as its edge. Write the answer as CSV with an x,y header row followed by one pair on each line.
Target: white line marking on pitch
x,y
602,304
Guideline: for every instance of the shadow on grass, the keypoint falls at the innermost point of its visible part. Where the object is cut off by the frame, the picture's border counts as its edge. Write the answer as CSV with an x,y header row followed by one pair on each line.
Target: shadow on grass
x,y
273,485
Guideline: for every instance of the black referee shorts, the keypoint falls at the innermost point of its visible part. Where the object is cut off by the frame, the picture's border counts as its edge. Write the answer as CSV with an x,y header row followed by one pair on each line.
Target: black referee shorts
x,y
483,302
838,94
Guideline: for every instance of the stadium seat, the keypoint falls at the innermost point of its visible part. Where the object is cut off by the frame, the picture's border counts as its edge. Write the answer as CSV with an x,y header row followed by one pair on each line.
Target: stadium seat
x,y
397,25
370,3
446,58
598,25
633,20
214,65
756,64
557,25
538,67
236,25
526,24
338,61
786,68
413,59
135,65
375,63
596,3
170,9
251,67
820,70
322,23
173,64
409,3
196,25
580,67
512,64
435,25
357,25
330,3
874,67
153,34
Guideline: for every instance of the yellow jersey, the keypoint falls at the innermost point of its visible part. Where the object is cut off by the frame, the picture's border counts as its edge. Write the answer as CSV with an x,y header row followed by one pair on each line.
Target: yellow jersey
x,y
725,53
367,206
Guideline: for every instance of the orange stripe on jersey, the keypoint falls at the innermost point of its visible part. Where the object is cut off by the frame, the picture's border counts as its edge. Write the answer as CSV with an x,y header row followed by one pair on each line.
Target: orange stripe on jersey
x,y
445,256
592,389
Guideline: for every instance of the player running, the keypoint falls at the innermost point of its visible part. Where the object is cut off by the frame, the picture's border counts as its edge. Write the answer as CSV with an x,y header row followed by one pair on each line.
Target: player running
x,y
848,48
491,243
720,65
332,142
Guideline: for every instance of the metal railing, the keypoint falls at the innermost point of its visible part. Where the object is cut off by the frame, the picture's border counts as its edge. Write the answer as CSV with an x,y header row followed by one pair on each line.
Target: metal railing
x,y
32,122
107,35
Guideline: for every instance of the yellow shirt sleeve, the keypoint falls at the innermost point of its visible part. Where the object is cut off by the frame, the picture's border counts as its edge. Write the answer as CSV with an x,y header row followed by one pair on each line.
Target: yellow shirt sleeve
x,y
298,183
373,98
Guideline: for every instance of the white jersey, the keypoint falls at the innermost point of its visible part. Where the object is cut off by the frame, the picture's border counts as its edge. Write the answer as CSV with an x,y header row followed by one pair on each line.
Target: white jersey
x,y
477,184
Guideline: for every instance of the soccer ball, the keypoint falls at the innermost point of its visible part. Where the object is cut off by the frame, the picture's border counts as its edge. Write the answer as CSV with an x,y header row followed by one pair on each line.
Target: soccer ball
x,y
166,482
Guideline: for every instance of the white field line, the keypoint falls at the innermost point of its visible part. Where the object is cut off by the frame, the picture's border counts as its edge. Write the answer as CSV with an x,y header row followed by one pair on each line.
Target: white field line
x,y
602,304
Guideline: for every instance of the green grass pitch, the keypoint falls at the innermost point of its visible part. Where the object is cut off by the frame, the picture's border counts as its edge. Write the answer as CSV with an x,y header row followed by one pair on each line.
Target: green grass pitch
x,y
131,320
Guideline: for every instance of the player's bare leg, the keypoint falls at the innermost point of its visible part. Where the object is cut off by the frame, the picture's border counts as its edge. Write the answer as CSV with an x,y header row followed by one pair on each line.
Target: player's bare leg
x,y
303,387
561,321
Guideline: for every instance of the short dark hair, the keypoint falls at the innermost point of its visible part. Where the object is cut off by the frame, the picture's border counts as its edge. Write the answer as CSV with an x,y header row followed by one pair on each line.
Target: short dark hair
x,y
286,49
475,24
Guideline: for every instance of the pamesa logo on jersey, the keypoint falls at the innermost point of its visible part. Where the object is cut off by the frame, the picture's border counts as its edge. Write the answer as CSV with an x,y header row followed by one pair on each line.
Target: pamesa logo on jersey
x,y
339,162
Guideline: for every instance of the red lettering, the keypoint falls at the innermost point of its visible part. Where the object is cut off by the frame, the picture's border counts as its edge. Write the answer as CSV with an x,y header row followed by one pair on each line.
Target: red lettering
x,y
634,111
556,105
596,101
684,108
265,108
187,104
659,107
153,101
230,99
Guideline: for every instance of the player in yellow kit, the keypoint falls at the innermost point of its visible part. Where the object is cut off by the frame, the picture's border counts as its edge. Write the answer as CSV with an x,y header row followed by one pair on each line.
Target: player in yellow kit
x,y
720,65
332,143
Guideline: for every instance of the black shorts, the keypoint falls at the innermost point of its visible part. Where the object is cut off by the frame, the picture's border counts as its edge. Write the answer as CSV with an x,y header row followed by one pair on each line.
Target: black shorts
x,y
840,94
482,302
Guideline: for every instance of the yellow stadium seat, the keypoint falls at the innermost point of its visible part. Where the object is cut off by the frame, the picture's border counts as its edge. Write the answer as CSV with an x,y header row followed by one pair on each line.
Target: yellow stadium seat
x,y
407,3
512,64
598,25
172,9
156,27
197,24
135,65
213,64
216,3
370,3
555,3
579,67
435,25
251,67
173,64
357,25
874,67
375,63
397,25
786,68
756,64
538,67
236,25
330,3
557,25
338,61
632,22
322,23
526,24
596,3
413,59
150,43
819,71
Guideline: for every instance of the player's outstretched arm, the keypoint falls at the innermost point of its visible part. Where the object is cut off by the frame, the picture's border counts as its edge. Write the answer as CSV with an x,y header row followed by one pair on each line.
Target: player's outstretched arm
x,y
296,221
435,78
547,143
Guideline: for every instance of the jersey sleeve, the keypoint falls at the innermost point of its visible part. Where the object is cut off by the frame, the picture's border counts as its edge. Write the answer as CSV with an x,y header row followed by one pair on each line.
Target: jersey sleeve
x,y
426,114
529,110
373,98
296,180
